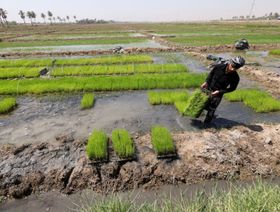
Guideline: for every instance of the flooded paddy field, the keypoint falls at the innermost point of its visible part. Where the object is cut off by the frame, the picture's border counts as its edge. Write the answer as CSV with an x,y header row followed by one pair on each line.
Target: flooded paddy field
x,y
43,140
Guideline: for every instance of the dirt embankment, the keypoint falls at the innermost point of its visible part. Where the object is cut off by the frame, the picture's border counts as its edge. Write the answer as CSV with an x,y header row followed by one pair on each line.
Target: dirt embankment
x,y
242,152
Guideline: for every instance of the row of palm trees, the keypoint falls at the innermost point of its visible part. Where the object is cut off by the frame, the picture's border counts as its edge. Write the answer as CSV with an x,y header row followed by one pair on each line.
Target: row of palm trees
x,y
32,16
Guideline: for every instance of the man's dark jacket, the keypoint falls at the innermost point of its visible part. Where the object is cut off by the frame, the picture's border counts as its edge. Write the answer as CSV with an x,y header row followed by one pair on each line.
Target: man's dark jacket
x,y
219,80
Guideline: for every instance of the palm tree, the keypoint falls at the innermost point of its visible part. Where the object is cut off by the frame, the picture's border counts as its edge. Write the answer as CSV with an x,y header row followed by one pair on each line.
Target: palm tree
x,y
54,19
3,16
67,17
50,16
29,14
60,19
22,15
43,16
75,18
33,15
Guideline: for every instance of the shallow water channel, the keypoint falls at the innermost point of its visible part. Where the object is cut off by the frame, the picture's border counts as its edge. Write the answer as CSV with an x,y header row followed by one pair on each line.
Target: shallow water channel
x,y
42,118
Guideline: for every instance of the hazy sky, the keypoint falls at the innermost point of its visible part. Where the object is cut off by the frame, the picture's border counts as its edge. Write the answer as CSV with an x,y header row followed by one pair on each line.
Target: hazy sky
x,y
141,10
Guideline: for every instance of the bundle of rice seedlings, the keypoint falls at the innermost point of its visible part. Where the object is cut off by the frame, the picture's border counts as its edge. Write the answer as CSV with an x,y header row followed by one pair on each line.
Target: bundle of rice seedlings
x,y
122,143
87,101
196,104
7,104
162,141
97,145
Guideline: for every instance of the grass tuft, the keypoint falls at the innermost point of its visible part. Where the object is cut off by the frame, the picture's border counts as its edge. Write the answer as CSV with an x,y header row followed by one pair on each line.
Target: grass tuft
x,y
258,100
122,143
162,141
87,101
274,52
97,145
7,105
196,104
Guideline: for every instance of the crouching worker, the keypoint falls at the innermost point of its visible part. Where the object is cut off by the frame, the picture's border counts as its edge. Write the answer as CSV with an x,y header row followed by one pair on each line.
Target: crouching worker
x,y
223,78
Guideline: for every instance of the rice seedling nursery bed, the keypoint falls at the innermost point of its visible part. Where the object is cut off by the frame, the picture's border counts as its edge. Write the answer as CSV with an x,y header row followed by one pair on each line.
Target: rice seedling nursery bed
x,y
167,97
7,105
72,42
97,146
259,101
118,69
162,142
6,73
87,101
101,83
123,144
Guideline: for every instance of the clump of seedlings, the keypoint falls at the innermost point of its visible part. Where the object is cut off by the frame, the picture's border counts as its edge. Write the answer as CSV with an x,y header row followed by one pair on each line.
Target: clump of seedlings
x,y
118,69
7,105
181,106
97,146
275,52
87,101
196,104
123,144
162,141
258,100
6,73
167,97
101,83
120,59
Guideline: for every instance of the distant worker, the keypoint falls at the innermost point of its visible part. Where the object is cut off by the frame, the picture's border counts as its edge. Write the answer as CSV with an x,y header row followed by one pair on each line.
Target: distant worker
x,y
222,79
242,44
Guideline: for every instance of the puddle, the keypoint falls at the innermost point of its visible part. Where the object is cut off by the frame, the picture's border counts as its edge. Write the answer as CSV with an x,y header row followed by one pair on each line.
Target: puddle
x,y
146,44
40,119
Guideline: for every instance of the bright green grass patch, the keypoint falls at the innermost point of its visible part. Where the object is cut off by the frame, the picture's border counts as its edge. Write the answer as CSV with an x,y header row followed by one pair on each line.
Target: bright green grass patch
x,y
121,59
19,72
118,69
122,143
101,83
26,63
167,97
275,52
196,104
97,145
7,104
258,197
258,100
87,101
72,42
162,141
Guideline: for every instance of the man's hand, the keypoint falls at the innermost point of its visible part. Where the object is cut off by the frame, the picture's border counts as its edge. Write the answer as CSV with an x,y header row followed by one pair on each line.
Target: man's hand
x,y
215,93
204,85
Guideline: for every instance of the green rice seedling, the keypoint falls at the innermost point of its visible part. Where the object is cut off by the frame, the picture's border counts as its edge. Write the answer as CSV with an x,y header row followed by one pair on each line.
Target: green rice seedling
x,y
122,143
196,104
7,104
87,101
118,69
258,100
167,97
162,141
120,59
97,145
72,42
19,72
181,106
26,63
101,83
275,52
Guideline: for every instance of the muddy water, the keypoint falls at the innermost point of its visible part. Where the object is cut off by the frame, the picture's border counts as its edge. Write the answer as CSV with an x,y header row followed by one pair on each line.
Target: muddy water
x,y
148,43
41,119
56,202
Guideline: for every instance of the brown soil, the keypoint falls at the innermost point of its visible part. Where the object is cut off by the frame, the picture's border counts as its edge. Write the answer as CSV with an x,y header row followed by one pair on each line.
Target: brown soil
x,y
242,152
